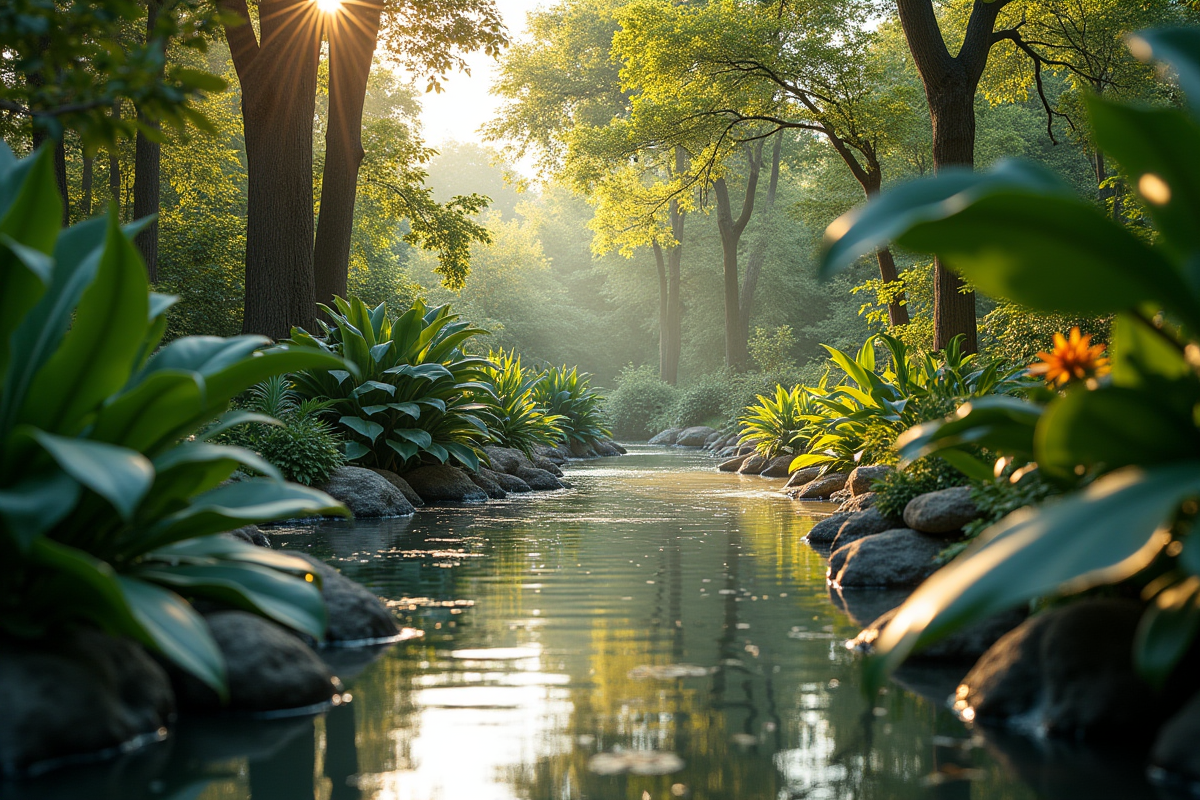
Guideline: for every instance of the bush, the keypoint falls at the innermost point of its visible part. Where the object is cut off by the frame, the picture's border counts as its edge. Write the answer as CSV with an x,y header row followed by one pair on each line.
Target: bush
x,y
701,402
304,447
109,494
567,394
897,488
518,420
771,351
777,424
640,400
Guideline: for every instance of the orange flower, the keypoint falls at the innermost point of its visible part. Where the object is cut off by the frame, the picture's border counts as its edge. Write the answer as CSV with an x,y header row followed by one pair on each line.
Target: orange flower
x,y
1073,358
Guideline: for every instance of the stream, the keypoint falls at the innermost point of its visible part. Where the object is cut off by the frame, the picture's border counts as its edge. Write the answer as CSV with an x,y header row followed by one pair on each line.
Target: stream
x,y
660,630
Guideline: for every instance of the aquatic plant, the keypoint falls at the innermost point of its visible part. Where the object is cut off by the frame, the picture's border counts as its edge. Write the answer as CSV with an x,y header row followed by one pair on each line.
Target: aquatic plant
x,y
415,398
109,500
1127,444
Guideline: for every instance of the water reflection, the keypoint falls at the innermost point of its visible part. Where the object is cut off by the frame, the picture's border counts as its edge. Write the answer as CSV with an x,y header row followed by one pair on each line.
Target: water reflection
x,y
658,608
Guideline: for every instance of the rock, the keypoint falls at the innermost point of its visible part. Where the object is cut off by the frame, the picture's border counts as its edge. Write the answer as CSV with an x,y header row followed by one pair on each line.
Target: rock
x,y
900,557
538,479
267,668
695,436
801,477
355,613
859,502
1175,750
863,478
250,534
669,436
489,485
753,464
78,694
401,484
777,467
581,450
941,512
439,483
726,452
605,449
733,464
506,459
864,523
713,439
509,483
825,531
366,493
820,488
558,453
543,463
1067,672
618,447
967,644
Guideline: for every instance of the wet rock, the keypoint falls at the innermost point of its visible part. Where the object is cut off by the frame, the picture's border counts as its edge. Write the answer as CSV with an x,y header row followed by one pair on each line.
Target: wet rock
x,y
618,447
753,464
506,459
859,502
366,494
558,453
607,449
267,668
778,467
78,694
250,534
863,478
669,436
486,482
1067,672
801,477
538,479
862,524
401,484
543,463
713,439
942,512
825,531
355,613
509,483
899,557
1175,750
439,483
581,450
967,644
820,488
732,464
695,436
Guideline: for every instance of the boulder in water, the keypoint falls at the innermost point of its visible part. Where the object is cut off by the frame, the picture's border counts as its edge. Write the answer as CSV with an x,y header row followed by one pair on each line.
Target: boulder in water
x,y
753,464
862,524
366,493
401,484
821,488
490,487
941,513
862,478
695,436
356,615
441,483
893,558
669,436
777,467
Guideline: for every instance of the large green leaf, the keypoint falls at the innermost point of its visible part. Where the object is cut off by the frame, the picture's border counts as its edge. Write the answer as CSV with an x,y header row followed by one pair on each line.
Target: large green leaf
x,y
206,548
153,413
35,504
1105,533
97,356
234,505
1167,630
288,600
119,475
175,629
195,467
1179,47
1143,357
1156,147
363,427
417,436
1004,424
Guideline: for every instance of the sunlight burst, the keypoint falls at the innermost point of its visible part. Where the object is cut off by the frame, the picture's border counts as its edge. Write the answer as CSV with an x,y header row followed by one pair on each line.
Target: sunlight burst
x,y
329,6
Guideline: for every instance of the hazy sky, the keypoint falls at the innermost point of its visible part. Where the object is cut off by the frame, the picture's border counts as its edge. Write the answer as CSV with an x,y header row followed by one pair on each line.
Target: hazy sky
x,y
464,103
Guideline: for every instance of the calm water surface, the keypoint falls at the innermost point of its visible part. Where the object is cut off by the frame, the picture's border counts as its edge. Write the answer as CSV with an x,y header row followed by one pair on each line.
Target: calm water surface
x,y
658,607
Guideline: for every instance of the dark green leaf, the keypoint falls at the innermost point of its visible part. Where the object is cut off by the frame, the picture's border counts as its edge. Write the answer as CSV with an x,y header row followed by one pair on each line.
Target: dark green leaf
x,y
119,475
1167,630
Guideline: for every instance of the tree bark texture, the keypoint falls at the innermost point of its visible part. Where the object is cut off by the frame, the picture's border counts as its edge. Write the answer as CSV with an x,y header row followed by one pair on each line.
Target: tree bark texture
x,y
674,324
114,168
278,75
950,83
736,349
660,263
352,34
147,173
85,198
758,255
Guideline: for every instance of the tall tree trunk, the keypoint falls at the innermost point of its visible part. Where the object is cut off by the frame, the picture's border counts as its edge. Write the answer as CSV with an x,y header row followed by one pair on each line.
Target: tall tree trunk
x,y
664,336
758,255
85,198
278,77
114,166
897,310
60,178
147,171
674,296
950,83
352,35
736,349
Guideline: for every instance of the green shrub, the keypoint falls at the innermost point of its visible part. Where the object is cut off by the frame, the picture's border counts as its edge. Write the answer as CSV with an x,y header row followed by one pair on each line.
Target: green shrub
x,y
110,498
518,420
304,447
700,402
640,400
778,424
771,351
897,488
416,397
568,395
1124,447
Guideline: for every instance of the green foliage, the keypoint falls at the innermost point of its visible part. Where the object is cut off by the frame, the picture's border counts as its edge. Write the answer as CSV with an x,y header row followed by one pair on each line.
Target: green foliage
x,y
108,508
897,488
300,443
639,401
702,401
1126,444
771,351
780,424
1016,335
415,398
568,395
520,420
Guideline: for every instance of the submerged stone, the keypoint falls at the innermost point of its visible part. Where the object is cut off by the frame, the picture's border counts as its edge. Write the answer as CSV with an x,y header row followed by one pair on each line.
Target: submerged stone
x,y
355,613
366,493
439,483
